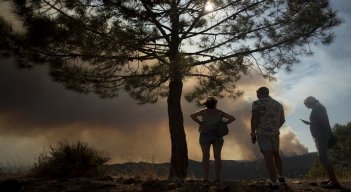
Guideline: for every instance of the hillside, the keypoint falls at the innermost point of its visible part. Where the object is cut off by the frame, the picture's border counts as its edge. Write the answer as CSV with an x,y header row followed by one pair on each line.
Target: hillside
x,y
294,167
243,176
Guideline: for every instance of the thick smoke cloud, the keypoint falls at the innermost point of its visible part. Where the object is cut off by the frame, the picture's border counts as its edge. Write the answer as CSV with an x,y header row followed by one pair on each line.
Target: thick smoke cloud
x,y
36,112
33,108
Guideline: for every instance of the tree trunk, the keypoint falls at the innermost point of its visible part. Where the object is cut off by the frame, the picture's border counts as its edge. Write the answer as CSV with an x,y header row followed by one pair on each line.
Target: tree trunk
x,y
179,157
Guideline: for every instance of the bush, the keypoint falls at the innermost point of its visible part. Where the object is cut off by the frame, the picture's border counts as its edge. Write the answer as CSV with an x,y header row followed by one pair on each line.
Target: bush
x,y
69,160
317,171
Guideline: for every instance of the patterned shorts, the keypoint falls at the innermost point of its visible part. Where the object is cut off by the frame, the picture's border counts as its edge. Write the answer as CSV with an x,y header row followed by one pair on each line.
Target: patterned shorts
x,y
268,142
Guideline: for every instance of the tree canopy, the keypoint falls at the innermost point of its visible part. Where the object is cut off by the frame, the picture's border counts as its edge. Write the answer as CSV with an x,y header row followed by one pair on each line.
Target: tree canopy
x,y
106,45
149,48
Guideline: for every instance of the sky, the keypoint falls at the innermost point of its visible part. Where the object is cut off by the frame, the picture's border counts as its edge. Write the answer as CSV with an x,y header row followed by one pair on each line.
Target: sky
x,y
36,113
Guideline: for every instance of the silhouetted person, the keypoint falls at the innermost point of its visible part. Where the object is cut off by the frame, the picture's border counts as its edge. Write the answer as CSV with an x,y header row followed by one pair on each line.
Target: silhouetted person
x,y
208,137
321,132
267,118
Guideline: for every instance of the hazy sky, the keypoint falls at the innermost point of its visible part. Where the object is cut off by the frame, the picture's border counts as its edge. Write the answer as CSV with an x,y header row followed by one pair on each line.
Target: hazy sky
x,y
325,75
36,112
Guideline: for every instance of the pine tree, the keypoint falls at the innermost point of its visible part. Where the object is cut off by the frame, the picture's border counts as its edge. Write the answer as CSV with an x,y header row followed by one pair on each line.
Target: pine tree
x,y
149,48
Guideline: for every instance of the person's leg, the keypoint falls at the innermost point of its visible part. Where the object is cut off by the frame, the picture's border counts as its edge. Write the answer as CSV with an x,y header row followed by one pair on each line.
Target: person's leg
x,y
217,149
279,167
331,173
205,148
322,147
268,157
278,163
266,147
277,159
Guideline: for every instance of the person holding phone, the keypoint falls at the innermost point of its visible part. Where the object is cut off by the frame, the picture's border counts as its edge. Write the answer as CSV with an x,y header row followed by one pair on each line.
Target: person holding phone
x,y
321,132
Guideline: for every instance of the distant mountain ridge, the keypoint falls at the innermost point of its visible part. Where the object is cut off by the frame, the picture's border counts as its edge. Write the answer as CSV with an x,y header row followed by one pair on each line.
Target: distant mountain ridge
x,y
294,167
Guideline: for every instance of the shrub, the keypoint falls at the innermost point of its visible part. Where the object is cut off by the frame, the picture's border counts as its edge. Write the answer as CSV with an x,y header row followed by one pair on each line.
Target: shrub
x,y
69,160
317,171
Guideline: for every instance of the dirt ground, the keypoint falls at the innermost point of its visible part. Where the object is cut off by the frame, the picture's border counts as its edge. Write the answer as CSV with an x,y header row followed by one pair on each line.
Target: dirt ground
x,y
111,184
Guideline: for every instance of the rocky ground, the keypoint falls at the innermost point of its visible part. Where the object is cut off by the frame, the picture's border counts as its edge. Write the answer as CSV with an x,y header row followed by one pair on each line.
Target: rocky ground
x,y
111,184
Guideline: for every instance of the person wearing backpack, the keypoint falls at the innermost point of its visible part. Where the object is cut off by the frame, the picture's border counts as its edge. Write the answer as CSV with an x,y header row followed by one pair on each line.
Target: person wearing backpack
x,y
208,135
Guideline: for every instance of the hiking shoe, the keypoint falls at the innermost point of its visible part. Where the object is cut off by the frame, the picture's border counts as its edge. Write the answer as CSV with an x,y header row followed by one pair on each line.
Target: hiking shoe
x,y
271,187
331,185
281,180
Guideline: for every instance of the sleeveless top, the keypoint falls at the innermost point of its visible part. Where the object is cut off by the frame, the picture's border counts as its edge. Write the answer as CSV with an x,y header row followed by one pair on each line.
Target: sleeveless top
x,y
210,119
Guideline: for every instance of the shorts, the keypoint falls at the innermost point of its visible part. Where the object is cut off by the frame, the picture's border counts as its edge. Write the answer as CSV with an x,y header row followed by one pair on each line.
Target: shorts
x,y
268,142
210,137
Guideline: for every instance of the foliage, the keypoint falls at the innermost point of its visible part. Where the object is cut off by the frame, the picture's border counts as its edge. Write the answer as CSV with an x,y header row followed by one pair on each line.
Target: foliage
x,y
149,48
340,154
106,45
69,160
317,170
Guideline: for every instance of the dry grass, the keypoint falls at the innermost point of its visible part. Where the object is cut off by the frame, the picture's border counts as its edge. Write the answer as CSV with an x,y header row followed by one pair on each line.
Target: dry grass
x,y
76,159
13,170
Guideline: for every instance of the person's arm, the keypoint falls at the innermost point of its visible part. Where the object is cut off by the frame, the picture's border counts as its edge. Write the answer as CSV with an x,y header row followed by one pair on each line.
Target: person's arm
x,y
282,119
230,118
195,116
321,118
254,125
305,122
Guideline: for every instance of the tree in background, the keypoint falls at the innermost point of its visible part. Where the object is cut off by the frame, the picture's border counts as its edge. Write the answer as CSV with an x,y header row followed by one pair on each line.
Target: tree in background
x,y
149,48
341,152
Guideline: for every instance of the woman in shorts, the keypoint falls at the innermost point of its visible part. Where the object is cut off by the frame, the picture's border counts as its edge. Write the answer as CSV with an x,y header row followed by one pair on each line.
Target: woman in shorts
x,y
209,116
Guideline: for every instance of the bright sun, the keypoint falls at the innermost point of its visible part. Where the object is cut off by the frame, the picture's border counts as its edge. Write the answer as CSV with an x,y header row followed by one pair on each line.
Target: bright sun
x,y
209,6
